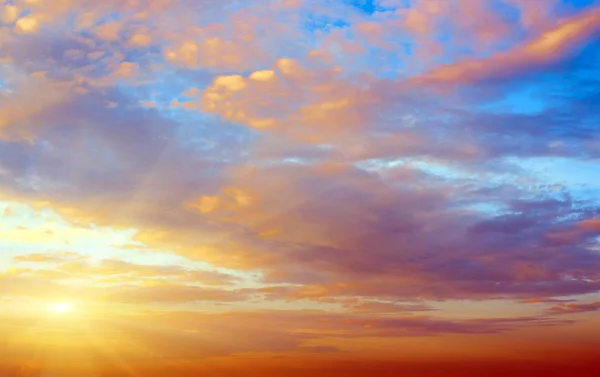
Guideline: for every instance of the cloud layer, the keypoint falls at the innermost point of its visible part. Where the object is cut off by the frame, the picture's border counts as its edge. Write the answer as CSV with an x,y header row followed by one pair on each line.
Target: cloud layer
x,y
329,174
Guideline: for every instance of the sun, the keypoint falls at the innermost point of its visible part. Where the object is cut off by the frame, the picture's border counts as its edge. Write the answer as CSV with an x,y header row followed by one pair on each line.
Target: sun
x,y
61,307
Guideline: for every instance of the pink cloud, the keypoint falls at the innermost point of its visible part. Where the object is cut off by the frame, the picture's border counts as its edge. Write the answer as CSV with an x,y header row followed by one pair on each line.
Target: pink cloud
x,y
548,47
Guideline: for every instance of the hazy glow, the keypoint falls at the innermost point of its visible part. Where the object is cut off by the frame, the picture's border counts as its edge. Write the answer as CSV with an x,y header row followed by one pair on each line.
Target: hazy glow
x,y
61,307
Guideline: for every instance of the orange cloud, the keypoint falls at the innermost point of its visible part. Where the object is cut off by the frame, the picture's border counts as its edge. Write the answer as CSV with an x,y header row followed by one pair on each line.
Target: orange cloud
x,y
290,98
127,70
108,31
592,225
575,307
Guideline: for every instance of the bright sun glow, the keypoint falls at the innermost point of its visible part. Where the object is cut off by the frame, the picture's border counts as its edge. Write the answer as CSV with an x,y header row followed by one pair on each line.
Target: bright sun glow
x,y
61,307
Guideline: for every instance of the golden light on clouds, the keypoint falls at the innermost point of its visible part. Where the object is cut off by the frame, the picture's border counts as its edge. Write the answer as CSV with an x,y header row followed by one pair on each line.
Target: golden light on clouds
x,y
299,188
27,24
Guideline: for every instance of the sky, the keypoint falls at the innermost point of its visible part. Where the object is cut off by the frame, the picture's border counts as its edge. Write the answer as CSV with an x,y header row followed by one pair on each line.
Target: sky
x,y
299,187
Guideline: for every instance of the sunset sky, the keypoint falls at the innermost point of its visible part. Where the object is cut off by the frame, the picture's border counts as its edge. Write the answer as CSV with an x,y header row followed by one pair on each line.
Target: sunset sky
x,y
299,188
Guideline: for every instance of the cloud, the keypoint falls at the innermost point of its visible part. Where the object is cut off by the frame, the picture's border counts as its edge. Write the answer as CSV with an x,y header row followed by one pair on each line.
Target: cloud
x,y
575,307
117,275
327,225
387,307
478,25
112,288
549,47
59,256
108,31
27,24
537,300
347,225
170,294
382,165
9,13
238,43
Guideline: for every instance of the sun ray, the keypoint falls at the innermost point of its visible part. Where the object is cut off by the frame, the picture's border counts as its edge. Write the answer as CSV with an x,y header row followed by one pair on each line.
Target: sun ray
x,y
109,352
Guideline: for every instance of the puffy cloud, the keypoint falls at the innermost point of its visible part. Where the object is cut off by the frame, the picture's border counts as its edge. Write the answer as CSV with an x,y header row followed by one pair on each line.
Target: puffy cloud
x,y
127,69
140,38
108,31
301,144
291,98
27,24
